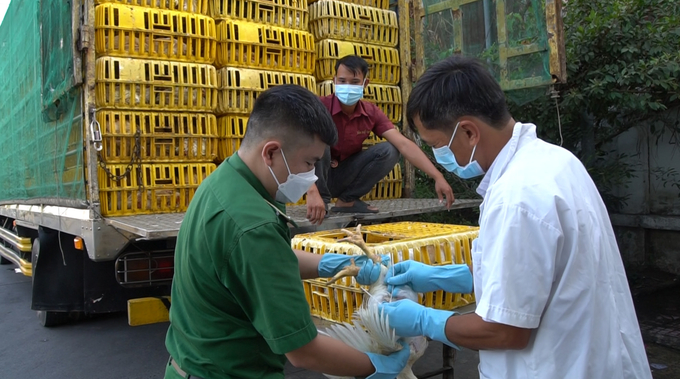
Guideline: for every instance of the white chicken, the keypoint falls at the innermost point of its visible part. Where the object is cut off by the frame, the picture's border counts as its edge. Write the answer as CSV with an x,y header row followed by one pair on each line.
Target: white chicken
x,y
371,331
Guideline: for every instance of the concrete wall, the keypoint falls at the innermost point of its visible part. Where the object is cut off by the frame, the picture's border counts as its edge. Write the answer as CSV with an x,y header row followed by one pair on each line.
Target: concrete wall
x,y
648,226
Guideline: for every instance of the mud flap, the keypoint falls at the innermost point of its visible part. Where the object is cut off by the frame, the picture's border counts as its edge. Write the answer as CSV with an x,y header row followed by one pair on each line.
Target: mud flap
x,y
57,273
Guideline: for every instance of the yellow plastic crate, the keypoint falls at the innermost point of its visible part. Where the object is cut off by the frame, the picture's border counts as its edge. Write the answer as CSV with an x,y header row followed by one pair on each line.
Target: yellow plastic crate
x,y
387,98
239,87
433,244
128,31
163,137
389,187
372,140
382,4
153,188
351,22
191,6
251,45
283,13
125,83
383,62
231,130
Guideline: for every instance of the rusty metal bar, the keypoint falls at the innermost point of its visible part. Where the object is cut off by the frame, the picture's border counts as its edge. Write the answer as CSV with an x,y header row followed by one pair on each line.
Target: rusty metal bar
x,y
558,60
404,10
524,50
419,30
451,4
502,41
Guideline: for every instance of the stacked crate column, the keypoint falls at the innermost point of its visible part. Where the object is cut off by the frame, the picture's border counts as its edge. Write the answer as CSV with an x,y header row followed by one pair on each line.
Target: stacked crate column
x,y
260,44
366,28
155,93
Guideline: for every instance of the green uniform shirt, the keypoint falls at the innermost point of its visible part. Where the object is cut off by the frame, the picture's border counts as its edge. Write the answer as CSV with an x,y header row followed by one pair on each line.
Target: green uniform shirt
x,y
238,303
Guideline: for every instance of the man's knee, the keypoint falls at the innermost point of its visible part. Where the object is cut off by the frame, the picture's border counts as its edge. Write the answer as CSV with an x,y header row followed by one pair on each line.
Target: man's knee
x,y
387,152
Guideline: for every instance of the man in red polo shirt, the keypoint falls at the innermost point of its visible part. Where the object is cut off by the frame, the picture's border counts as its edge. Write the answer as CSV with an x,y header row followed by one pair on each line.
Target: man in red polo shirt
x,y
347,172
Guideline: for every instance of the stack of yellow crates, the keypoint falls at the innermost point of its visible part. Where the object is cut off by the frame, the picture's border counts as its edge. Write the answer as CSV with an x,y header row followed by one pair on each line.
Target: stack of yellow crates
x,y
156,94
260,44
366,28
432,244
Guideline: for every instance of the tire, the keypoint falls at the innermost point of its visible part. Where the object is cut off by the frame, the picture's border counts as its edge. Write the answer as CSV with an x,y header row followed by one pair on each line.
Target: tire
x,y
49,319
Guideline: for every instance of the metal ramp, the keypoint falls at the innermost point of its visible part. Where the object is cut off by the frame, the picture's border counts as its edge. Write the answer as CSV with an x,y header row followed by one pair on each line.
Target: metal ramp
x,y
167,225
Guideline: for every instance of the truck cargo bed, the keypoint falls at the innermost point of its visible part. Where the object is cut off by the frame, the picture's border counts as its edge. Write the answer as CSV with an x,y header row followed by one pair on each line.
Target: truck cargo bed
x,y
167,225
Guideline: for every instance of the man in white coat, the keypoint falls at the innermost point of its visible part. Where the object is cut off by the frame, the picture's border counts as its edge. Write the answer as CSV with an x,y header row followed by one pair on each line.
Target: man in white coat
x,y
552,295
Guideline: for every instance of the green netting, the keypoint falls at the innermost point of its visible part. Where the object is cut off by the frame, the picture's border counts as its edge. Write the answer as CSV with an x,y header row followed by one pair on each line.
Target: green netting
x,y
510,35
40,108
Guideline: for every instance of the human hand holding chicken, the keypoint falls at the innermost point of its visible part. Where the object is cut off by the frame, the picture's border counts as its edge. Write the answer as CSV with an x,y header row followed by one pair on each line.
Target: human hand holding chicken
x,y
370,332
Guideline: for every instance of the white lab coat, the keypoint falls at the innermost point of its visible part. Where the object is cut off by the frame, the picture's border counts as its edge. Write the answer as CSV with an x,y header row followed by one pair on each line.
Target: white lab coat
x,y
546,259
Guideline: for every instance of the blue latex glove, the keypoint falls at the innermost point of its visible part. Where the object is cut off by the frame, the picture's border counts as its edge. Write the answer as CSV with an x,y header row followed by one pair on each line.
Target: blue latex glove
x,y
389,366
426,278
331,263
410,319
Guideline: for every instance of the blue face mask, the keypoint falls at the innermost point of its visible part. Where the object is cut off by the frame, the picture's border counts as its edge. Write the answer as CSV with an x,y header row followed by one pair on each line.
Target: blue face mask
x,y
445,157
349,94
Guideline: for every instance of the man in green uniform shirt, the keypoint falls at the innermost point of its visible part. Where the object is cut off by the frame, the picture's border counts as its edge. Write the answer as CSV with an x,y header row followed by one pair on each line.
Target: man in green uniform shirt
x,y
238,307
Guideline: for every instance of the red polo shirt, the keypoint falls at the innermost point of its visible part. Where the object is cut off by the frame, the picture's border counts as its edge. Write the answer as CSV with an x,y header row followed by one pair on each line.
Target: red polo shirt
x,y
354,129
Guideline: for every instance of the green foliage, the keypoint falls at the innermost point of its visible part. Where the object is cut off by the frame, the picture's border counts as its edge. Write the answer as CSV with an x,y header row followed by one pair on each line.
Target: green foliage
x,y
623,63
669,177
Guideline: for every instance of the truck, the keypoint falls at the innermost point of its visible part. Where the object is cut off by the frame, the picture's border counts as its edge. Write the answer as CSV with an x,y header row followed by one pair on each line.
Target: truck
x,y
53,222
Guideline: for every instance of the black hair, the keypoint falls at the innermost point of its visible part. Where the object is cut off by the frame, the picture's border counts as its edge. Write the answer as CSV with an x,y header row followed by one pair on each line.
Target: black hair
x,y
354,63
293,115
455,87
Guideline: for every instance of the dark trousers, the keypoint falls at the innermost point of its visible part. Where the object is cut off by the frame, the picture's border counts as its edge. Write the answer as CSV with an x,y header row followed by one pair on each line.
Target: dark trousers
x,y
355,176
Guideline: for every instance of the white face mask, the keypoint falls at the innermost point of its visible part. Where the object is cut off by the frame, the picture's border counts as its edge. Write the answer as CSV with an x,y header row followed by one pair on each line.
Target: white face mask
x,y
295,186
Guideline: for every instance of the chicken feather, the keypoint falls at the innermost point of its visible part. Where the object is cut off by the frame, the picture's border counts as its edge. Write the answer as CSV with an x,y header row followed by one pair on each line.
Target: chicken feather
x,y
371,331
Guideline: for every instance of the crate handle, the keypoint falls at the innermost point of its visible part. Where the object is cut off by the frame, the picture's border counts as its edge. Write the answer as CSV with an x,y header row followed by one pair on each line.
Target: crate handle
x,y
364,17
162,129
160,26
268,8
167,141
272,50
161,38
163,89
163,181
320,294
163,78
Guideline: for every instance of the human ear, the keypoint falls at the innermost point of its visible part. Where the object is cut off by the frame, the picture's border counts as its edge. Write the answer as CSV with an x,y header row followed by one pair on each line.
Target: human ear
x,y
268,151
471,131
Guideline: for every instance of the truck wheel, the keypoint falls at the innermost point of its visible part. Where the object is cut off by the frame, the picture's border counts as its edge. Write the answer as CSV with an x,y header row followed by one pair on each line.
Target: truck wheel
x,y
49,318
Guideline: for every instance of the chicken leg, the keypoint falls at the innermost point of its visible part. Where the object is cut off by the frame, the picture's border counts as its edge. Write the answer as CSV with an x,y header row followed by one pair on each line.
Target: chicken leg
x,y
355,237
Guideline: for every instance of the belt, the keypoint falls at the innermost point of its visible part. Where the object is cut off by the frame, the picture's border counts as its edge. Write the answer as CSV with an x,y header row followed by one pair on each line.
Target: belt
x,y
183,373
